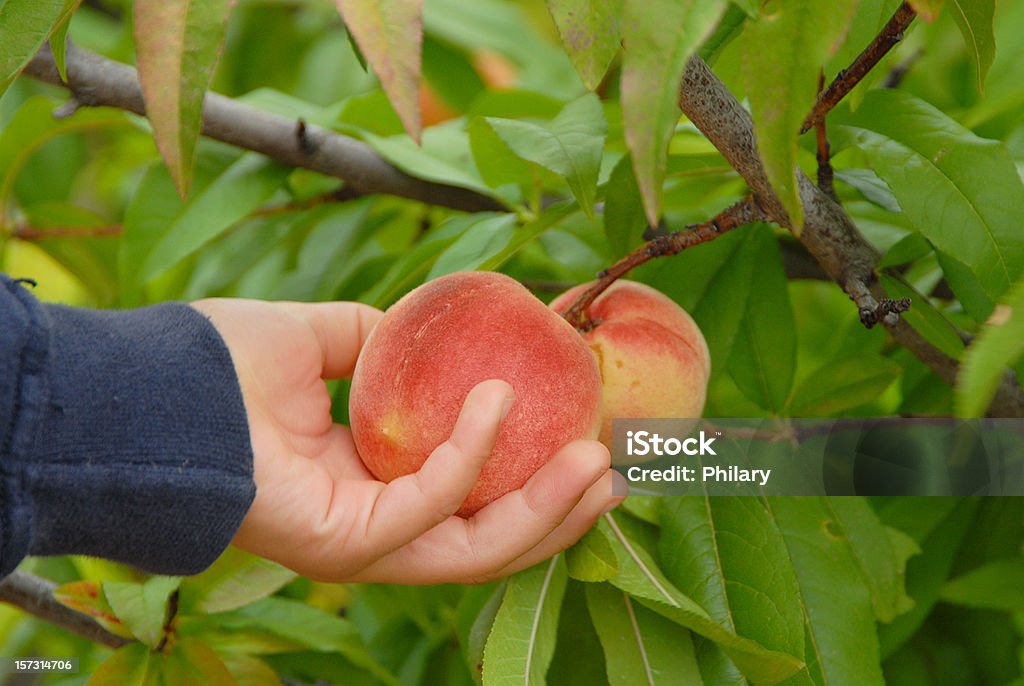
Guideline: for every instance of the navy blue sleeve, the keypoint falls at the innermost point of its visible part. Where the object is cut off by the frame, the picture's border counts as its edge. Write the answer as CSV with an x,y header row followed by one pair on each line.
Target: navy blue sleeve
x,y
122,435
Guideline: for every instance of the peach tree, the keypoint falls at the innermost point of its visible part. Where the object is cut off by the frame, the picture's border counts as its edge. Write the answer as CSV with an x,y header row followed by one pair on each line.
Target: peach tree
x,y
832,189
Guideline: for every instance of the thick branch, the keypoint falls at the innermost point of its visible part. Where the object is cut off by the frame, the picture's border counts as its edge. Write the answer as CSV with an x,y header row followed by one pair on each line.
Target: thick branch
x,y
97,81
746,211
35,596
888,37
828,234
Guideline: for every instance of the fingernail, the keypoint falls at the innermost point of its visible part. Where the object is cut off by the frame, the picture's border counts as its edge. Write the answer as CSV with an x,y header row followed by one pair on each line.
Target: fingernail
x,y
616,501
510,400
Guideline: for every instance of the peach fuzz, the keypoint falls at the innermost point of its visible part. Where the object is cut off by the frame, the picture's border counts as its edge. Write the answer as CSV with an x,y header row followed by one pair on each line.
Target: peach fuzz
x,y
441,340
653,358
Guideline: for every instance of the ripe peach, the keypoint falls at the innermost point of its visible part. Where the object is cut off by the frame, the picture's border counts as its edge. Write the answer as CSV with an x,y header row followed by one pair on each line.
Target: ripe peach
x,y
442,339
653,358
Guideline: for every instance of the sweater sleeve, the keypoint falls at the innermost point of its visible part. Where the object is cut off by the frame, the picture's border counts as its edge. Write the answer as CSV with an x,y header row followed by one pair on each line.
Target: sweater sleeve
x,y
122,435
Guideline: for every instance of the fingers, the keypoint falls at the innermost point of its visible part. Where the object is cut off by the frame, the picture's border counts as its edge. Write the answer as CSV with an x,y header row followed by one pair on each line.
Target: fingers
x,y
341,328
551,512
413,504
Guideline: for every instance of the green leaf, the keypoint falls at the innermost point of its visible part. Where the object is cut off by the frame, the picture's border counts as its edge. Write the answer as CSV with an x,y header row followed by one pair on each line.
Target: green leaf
x,y
925,318
569,145
986,360
881,553
717,549
59,39
579,657
486,236
592,558
843,384
307,626
658,37
24,27
237,578
142,607
87,597
522,640
591,33
763,360
177,45
975,19
782,56
190,661
474,617
960,191
247,670
231,197
444,156
910,248
997,585
640,646
713,284
498,165
640,576
128,666
624,219
842,641
389,34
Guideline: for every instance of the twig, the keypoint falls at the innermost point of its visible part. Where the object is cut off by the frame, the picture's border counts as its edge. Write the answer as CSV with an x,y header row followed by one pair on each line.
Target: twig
x,y
828,234
33,233
96,81
746,211
35,596
825,175
846,80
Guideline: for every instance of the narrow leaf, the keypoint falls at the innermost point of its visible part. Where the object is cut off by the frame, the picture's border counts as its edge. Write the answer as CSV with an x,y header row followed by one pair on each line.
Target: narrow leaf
x,y
716,549
882,564
569,145
390,36
843,384
87,597
24,27
659,36
962,192
522,640
591,33
592,558
763,361
128,666
624,217
177,45
997,585
975,19
837,606
142,607
190,661
307,626
985,362
782,56
486,236
59,39
640,646
237,578
240,190
640,576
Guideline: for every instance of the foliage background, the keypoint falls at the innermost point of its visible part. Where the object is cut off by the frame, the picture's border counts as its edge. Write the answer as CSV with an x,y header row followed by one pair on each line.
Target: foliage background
x,y
91,211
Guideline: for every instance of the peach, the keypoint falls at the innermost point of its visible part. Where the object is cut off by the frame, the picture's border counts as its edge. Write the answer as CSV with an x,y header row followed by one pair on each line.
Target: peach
x,y
653,358
437,343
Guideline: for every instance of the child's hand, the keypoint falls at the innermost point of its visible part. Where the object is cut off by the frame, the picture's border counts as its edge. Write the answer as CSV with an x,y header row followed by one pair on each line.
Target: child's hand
x,y
317,509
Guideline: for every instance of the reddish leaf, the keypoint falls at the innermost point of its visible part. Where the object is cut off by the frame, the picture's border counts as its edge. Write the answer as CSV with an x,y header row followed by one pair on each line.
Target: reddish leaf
x,y
177,45
389,33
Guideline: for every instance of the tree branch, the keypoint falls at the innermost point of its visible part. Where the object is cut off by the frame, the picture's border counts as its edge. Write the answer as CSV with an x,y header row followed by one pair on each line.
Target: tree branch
x,y
888,37
828,234
97,81
744,212
35,596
